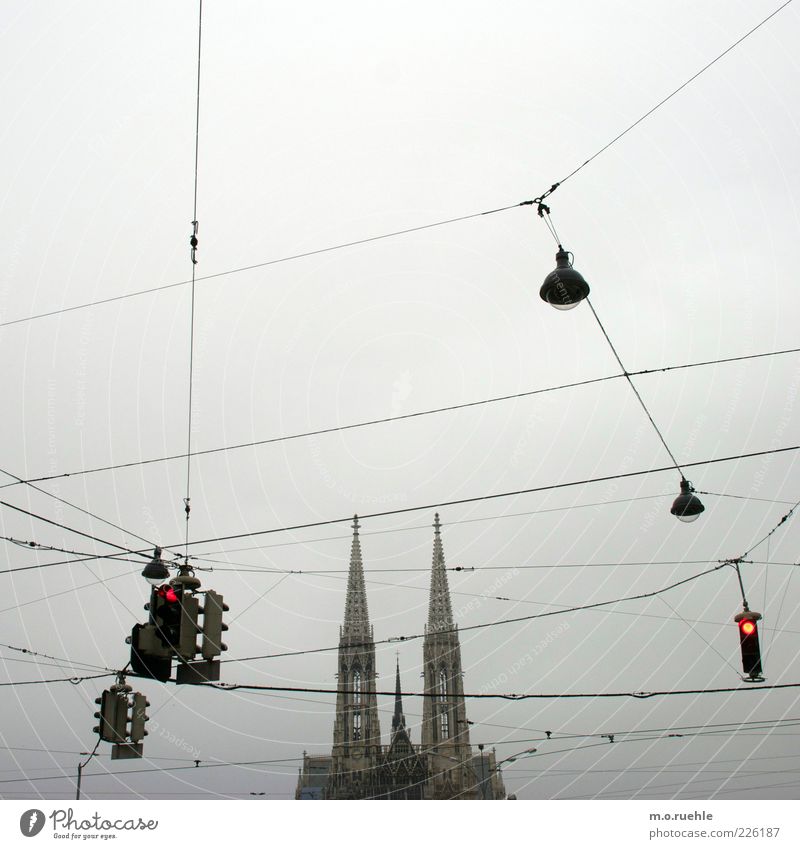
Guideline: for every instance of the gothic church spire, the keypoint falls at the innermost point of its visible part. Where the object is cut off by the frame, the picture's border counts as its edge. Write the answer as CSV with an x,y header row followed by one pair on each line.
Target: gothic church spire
x,y
356,615
398,720
445,731
356,730
440,612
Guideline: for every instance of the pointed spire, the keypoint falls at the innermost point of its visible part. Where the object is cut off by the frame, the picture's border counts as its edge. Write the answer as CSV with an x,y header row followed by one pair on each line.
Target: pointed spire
x,y
398,720
356,615
440,613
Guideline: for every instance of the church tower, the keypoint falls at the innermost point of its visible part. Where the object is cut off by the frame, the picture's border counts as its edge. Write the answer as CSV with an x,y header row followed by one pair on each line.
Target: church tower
x,y
445,732
356,732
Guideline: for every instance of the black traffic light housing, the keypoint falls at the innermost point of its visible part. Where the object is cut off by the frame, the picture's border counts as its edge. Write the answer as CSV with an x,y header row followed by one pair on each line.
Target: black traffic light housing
x,y
149,656
174,612
112,716
747,622
213,626
138,718
165,614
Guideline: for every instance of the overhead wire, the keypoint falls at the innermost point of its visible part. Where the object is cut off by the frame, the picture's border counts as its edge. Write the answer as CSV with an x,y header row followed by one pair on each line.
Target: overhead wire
x,y
676,91
193,242
75,679
395,511
408,230
488,497
639,398
83,510
206,764
40,518
270,262
200,556
389,419
32,653
484,625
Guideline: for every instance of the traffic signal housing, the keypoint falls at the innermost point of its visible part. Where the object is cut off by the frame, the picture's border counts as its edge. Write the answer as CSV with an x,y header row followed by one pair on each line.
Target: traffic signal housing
x,y
139,718
213,626
747,622
174,612
113,716
149,656
165,614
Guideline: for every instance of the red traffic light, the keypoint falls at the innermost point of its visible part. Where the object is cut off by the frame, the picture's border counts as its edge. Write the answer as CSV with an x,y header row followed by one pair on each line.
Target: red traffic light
x,y
168,593
747,621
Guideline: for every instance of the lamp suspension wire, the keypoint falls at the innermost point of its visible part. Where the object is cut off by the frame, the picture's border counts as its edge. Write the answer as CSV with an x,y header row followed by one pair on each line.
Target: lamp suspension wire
x,y
193,243
735,565
627,376
544,214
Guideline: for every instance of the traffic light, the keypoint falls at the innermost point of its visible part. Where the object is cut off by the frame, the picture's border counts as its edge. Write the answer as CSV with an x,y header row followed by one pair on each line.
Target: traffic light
x,y
174,612
138,717
165,614
748,639
149,656
188,628
113,716
213,626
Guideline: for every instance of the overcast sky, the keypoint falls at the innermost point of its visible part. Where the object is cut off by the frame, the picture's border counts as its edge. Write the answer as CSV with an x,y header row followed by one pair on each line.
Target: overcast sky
x,y
323,124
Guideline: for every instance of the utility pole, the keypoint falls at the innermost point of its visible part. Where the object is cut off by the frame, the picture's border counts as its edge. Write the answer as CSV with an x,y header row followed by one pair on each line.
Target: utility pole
x,y
80,773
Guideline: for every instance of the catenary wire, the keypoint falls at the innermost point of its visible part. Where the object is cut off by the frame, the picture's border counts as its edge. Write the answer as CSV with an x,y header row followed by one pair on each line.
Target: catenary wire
x,y
626,374
395,233
33,486
193,242
673,93
390,419
484,625
267,263
490,496
205,764
71,530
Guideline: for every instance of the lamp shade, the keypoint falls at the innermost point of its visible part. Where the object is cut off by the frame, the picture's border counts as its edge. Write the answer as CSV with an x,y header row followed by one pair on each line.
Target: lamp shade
x,y
155,572
687,506
564,287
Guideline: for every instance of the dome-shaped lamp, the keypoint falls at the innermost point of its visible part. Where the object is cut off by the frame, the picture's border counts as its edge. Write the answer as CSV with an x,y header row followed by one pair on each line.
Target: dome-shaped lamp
x,y
155,572
687,506
564,287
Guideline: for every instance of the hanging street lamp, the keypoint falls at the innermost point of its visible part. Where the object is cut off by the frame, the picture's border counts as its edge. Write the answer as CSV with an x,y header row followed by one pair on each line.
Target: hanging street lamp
x,y
564,287
687,506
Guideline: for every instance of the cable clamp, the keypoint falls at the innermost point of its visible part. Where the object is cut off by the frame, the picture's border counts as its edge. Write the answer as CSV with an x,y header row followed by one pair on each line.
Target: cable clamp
x,y
186,506
193,241
542,208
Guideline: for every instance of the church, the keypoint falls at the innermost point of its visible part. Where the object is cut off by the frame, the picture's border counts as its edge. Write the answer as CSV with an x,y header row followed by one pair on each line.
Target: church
x,y
442,764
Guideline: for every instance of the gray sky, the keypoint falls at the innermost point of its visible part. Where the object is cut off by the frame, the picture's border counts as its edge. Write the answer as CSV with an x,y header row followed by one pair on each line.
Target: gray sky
x,y
321,126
